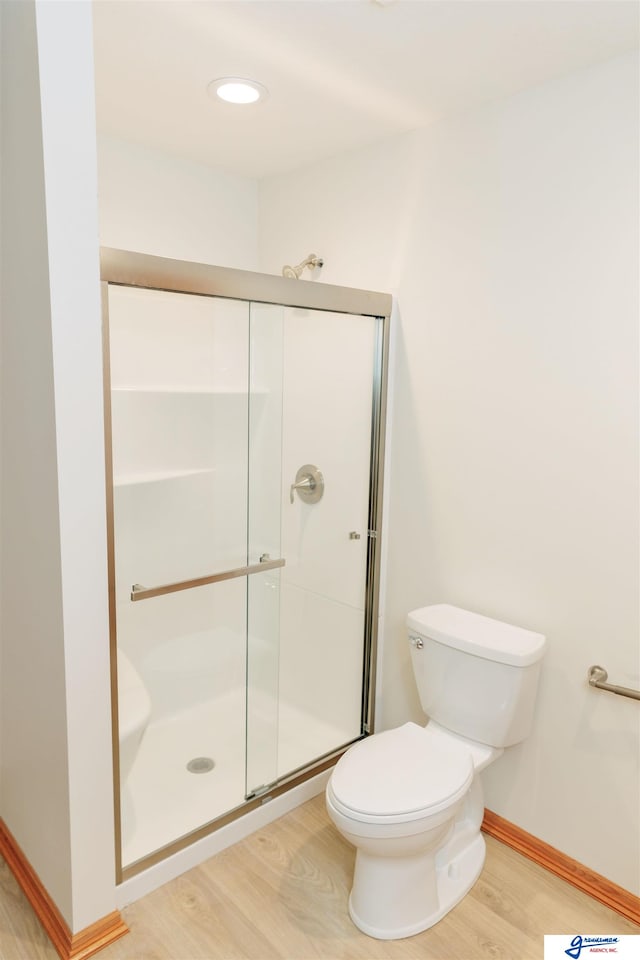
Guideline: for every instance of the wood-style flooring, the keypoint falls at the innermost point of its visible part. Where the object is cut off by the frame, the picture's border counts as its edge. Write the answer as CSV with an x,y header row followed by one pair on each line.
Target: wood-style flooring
x,y
282,893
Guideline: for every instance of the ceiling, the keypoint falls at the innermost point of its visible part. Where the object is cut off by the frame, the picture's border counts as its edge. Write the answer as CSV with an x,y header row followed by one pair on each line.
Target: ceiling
x,y
341,73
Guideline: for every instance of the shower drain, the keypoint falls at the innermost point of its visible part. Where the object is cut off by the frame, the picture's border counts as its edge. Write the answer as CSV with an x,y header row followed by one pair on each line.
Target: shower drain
x,y
200,765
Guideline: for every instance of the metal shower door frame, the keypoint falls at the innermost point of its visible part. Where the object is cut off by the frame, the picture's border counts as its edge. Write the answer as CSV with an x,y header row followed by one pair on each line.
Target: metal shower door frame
x,y
131,269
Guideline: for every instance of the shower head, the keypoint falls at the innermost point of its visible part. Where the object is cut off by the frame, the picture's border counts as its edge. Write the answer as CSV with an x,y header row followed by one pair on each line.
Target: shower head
x,y
293,273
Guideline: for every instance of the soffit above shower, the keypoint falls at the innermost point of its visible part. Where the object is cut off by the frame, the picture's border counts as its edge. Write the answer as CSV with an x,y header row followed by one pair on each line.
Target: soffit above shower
x,y
341,73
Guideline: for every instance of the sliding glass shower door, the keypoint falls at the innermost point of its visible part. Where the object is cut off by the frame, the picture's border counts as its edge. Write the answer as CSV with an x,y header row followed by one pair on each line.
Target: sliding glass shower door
x,y
240,440
180,411
326,423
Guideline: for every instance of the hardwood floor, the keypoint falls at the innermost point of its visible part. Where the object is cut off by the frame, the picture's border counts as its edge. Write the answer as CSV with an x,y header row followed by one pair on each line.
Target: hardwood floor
x,y
281,894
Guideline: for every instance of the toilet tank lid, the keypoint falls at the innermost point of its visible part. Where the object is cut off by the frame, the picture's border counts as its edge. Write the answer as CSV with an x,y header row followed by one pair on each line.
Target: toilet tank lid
x,y
478,635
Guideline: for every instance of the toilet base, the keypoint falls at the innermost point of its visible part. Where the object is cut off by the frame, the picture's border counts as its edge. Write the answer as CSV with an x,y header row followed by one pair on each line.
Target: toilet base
x,y
415,892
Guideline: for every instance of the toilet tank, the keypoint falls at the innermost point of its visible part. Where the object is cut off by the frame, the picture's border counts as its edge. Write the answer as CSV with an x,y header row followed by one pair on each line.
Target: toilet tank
x,y
476,676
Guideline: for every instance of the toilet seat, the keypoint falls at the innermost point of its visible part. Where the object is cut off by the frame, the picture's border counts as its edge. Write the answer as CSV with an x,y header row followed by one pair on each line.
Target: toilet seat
x,y
400,775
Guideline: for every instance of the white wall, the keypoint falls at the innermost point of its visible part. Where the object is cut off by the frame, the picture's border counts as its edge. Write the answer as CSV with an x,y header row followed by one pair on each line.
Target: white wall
x,y
510,237
32,698
164,205
56,788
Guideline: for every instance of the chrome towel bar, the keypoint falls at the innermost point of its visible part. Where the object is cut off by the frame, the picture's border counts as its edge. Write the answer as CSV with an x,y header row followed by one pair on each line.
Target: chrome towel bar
x,y
138,592
598,676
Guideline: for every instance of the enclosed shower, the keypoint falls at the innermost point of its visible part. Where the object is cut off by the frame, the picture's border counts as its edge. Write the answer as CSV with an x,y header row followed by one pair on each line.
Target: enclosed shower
x,y
244,437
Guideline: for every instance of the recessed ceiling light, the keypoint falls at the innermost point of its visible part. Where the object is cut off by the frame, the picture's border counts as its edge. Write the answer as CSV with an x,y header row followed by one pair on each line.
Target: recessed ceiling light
x,y
237,90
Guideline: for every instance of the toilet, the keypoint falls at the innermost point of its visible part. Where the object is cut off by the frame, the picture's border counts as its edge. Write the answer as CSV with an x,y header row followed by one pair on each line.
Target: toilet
x,y
410,799
134,711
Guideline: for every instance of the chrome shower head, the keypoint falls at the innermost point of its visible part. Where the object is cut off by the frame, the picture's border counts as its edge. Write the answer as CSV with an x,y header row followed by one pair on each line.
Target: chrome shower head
x,y
293,273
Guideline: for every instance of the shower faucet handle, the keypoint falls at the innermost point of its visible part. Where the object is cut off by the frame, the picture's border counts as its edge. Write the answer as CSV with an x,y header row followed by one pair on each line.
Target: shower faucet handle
x,y
309,484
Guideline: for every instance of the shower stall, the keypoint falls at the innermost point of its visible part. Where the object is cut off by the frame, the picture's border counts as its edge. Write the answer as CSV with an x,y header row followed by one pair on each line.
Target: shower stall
x,y
244,440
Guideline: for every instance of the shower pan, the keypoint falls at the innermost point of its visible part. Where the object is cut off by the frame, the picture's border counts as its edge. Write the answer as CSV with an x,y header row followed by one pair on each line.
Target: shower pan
x,y
244,438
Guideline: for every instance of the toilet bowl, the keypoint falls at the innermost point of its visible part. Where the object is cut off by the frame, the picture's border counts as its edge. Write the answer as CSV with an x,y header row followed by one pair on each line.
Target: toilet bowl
x,y
134,711
410,799
415,826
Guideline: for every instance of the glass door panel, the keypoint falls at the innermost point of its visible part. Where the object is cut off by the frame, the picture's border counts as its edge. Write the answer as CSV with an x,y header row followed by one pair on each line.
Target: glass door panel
x,y
179,423
311,405
328,382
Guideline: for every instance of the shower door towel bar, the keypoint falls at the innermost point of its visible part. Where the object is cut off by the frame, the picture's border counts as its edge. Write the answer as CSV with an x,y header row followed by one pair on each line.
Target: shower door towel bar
x,y
138,592
598,676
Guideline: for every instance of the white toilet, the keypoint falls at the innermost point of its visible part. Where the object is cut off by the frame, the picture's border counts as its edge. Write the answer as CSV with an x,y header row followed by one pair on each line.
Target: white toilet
x,y
410,799
134,711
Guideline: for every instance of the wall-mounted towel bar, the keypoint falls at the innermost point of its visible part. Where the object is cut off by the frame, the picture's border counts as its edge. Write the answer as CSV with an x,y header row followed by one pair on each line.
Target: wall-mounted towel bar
x,y
597,677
